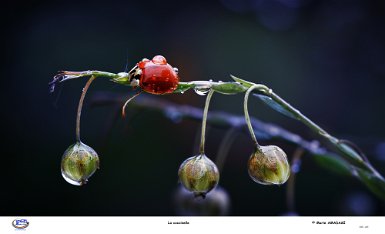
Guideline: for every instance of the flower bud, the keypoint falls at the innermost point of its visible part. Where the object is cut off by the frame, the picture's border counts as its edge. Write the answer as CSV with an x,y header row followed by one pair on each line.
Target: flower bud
x,y
78,163
268,165
198,174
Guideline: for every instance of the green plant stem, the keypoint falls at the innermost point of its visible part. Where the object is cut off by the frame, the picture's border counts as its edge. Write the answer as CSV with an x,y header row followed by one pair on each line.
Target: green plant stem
x,y
247,117
80,74
204,120
301,117
240,86
80,106
224,120
350,154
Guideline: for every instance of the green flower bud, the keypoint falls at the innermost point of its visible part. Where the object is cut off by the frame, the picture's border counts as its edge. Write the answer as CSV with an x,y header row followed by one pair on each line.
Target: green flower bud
x,y
268,165
78,163
198,174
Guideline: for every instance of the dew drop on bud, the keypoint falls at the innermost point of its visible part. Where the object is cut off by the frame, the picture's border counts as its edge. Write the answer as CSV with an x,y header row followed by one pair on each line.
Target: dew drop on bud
x,y
269,165
79,162
198,174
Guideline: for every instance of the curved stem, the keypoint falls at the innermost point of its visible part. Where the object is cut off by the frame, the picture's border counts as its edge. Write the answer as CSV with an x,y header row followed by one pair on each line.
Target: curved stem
x,y
247,117
128,101
80,106
204,120
197,137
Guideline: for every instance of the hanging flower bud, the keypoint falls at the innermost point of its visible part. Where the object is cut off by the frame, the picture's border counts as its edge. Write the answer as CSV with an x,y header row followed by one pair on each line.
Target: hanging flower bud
x,y
198,174
268,165
78,163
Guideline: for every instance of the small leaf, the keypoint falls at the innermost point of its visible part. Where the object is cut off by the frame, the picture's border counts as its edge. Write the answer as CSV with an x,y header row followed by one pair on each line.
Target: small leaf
x,y
273,104
183,87
245,83
124,80
228,87
333,163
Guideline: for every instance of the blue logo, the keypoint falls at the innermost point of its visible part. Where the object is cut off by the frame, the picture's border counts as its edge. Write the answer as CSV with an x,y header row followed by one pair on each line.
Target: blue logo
x,y
20,223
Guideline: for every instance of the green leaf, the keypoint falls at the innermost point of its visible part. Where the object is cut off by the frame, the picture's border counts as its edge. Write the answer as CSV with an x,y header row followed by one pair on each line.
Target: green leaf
x,y
274,105
245,83
228,87
183,87
333,163
350,152
263,95
373,182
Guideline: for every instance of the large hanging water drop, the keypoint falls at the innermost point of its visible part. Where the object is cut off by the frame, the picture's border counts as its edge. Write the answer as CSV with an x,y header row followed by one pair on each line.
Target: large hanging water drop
x,y
79,162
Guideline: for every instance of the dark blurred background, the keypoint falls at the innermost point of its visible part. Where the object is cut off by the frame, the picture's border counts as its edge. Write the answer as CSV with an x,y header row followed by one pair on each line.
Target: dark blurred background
x,y
327,58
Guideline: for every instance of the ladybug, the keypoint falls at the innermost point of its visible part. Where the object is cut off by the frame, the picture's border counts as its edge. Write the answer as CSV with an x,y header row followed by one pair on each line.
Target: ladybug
x,y
154,76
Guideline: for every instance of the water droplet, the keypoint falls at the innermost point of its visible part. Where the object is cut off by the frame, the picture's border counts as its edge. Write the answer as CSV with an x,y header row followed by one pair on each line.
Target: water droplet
x,y
201,91
211,80
122,74
78,164
176,70
71,181
159,59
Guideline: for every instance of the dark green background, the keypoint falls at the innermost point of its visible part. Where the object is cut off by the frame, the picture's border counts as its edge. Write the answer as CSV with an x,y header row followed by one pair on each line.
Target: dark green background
x,y
327,58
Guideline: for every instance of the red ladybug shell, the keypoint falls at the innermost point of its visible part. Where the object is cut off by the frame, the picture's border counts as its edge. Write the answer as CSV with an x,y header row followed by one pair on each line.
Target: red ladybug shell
x,y
158,77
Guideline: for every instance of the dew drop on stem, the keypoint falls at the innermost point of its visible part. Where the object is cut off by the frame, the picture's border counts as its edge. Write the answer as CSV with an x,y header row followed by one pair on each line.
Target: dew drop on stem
x,y
201,91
